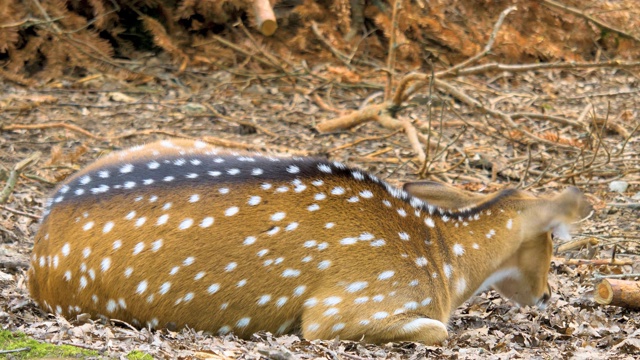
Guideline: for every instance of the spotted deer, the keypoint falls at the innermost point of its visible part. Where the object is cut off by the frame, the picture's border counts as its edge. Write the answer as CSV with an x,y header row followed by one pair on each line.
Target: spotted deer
x,y
176,234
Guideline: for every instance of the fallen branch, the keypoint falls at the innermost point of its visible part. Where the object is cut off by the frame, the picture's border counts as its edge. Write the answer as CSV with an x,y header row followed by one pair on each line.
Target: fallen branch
x,y
354,143
623,293
612,262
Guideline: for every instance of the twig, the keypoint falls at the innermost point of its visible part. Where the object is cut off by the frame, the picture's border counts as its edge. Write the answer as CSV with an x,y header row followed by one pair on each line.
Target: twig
x,y
52,125
15,174
18,212
15,350
487,47
526,169
599,276
354,143
269,57
237,48
442,85
600,24
338,54
543,66
616,262
215,141
238,121
83,346
627,205
391,58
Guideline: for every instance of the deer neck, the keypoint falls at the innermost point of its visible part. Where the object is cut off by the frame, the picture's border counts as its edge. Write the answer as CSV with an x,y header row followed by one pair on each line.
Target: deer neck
x,y
474,248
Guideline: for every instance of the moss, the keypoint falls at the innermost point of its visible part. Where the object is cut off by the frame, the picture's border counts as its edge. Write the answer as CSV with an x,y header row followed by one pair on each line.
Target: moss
x,y
15,340
139,355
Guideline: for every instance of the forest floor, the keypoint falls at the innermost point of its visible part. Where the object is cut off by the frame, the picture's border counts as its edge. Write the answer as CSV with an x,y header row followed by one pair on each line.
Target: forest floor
x,y
279,114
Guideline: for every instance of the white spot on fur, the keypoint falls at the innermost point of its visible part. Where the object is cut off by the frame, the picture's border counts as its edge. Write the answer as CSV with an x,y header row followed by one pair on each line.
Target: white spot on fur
x,y
105,264
386,275
356,286
185,224
324,168
448,270
421,261
290,273
461,286
206,222
348,241
278,216
243,323
142,287
298,291
263,300
66,249
138,248
231,211
380,315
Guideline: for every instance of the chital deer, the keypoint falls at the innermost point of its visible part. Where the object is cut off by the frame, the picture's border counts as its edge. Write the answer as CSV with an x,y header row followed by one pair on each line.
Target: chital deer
x,y
175,234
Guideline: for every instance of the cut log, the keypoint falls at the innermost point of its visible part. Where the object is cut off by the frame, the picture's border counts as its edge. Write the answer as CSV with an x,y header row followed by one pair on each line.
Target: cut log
x,y
265,18
623,293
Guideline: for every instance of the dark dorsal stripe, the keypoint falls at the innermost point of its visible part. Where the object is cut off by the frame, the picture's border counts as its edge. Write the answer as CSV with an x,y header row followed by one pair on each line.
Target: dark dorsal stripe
x,y
176,171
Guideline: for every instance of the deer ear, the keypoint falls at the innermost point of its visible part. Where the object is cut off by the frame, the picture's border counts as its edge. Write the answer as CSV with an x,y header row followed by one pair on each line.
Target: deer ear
x,y
441,195
557,214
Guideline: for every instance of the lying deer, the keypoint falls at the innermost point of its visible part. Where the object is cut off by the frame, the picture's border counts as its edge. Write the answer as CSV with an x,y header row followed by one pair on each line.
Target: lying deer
x,y
175,234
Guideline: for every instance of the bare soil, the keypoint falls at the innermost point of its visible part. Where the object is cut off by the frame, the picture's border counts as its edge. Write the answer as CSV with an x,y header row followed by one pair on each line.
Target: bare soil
x,y
278,114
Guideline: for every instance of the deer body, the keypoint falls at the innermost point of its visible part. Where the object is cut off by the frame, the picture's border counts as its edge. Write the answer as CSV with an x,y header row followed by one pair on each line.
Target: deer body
x,y
174,234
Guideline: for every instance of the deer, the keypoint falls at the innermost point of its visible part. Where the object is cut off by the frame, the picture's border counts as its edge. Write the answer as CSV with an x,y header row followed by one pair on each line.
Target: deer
x,y
177,233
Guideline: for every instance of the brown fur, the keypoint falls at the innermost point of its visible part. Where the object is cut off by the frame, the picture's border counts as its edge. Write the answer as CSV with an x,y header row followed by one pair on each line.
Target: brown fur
x,y
445,263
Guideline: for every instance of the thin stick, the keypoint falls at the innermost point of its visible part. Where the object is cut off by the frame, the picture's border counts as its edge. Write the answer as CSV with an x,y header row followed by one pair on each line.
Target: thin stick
x,y
15,350
338,54
391,58
15,174
543,66
599,276
354,143
70,127
487,47
18,212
